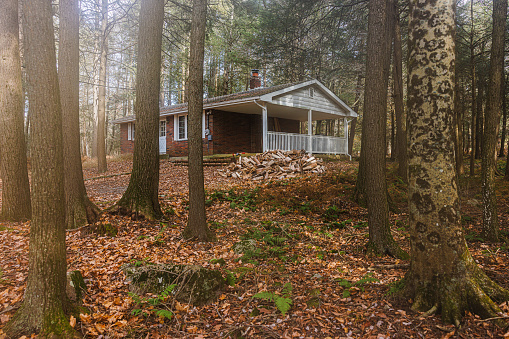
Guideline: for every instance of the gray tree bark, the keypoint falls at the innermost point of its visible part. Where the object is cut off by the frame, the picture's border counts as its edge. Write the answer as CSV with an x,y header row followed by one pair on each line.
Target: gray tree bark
x,y
443,277
492,122
13,156
399,109
79,209
45,306
197,223
102,165
141,196
375,111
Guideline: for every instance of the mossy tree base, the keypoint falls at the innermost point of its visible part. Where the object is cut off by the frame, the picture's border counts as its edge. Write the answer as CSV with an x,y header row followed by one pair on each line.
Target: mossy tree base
x,y
137,206
82,213
389,247
53,323
204,235
452,296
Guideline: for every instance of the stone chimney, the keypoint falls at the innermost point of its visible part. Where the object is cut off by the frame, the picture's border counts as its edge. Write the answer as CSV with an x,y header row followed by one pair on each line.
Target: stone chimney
x,y
255,81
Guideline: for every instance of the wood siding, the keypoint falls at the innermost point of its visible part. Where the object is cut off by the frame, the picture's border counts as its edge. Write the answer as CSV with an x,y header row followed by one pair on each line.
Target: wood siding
x,y
300,98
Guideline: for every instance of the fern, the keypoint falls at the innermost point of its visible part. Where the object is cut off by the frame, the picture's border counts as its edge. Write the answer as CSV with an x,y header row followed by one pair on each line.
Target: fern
x,y
287,290
269,296
283,303
164,314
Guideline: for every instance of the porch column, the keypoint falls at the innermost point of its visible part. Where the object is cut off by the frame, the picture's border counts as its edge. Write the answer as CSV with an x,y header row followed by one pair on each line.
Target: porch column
x,y
265,127
346,122
310,132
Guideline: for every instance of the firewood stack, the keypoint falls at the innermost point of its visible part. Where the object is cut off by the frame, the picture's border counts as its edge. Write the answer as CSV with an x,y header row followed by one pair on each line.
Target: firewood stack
x,y
273,165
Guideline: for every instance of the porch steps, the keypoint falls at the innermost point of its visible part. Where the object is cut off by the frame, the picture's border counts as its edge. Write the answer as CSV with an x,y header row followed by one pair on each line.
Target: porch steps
x,y
207,162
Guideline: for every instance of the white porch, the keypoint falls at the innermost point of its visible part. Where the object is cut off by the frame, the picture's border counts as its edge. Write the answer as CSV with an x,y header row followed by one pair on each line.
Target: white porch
x,y
310,143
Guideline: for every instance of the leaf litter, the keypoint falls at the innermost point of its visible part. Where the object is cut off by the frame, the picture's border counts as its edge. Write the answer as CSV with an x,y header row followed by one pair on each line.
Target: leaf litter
x,y
307,278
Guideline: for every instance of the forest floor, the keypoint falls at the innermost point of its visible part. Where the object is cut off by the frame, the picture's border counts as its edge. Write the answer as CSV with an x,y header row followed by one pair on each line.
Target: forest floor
x,y
310,236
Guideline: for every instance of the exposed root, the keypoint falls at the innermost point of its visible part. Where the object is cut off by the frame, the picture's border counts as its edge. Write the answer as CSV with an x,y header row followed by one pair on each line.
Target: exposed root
x,y
453,296
136,211
390,248
431,311
202,236
81,212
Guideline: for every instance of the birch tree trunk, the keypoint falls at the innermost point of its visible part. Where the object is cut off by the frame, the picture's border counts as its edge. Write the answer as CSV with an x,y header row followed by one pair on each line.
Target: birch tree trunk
x,y
443,277
13,156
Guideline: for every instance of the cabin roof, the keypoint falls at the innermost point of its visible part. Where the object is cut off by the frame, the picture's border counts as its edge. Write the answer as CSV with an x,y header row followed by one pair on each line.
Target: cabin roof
x,y
249,102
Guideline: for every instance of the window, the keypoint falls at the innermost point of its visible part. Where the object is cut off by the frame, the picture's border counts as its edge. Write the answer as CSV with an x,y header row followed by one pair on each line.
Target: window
x,y
162,128
130,131
180,127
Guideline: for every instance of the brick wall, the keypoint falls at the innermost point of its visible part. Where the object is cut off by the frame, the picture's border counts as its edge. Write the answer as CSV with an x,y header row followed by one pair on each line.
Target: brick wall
x,y
126,146
236,132
231,133
180,148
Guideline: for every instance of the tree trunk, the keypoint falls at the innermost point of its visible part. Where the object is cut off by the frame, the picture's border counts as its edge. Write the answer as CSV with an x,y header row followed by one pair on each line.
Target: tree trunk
x,y
79,209
398,99
458,127
141,196
492,122
479,124
393,149
375,110
45,303
351,134
443,276
13,156
197,222
102,166
474,94
504,118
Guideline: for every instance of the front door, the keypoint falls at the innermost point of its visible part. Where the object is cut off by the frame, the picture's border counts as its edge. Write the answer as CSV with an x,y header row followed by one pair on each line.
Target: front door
x,y
162,137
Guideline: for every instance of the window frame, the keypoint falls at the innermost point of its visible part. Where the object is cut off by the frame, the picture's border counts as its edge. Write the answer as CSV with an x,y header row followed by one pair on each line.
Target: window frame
x,y
130,131
176,134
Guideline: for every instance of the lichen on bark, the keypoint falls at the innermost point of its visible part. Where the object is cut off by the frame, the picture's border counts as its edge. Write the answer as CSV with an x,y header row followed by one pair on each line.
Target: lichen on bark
x,y
443,277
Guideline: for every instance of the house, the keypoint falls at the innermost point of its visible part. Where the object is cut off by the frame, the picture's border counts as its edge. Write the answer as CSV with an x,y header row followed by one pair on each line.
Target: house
x,y
260,119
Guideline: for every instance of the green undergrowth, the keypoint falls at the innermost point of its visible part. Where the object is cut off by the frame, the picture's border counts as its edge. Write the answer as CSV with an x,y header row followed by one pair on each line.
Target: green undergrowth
x,y
244,199
275,240
282,300
157,305
349,287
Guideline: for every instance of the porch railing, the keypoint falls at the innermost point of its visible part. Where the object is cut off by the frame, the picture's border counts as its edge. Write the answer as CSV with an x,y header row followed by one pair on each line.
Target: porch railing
x,y
314,144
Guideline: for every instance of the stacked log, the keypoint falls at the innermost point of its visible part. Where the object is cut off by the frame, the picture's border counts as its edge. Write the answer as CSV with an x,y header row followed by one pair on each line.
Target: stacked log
x,y
273,165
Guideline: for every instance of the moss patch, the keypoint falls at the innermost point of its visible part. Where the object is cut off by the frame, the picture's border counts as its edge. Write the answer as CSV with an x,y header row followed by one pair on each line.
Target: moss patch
x,y
195,284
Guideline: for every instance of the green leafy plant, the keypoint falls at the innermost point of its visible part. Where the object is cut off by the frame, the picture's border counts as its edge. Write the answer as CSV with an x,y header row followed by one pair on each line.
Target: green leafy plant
x,y
332,213
473,237
243,200
347,285
282,302
396,287
158,239
338,225
361,224
145,305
